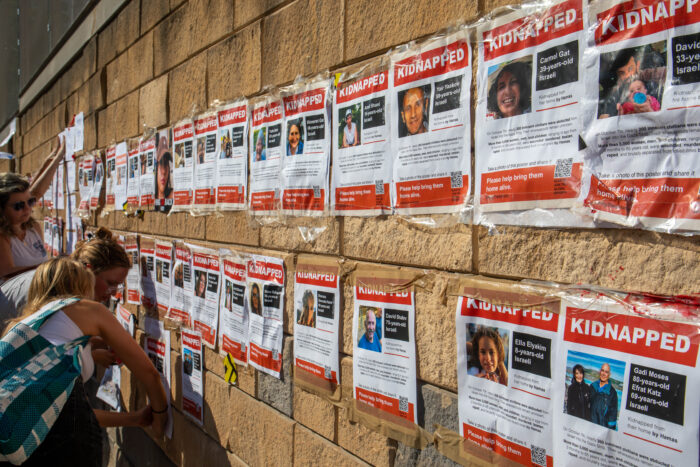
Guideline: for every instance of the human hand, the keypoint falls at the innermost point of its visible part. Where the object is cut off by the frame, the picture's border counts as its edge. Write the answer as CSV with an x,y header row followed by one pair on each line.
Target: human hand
x,y
104,357
144,417
641,108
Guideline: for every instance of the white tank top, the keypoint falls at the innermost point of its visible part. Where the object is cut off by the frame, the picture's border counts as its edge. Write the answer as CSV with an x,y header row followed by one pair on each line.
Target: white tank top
x,y
28,252
350,134
59,329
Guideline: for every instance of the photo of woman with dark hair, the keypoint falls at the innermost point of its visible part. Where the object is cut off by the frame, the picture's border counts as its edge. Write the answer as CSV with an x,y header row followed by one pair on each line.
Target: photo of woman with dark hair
x,y
510,92
306,316
578,395
295,138
255,304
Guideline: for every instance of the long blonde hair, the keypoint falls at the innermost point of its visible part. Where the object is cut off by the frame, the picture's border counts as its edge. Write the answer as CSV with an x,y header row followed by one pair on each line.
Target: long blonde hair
x,y
12,183
57,278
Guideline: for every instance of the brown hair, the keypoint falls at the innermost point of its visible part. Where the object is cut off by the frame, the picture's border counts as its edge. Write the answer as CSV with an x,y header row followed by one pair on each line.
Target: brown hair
x,y
12,183
101,252
491,334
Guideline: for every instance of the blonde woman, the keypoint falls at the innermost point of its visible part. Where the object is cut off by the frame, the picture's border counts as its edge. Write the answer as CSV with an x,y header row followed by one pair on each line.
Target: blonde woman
x,y
75,437
21,239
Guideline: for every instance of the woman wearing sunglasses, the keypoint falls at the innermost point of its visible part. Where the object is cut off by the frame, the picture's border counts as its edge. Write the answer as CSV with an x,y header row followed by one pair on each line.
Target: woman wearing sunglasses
x,y
21,238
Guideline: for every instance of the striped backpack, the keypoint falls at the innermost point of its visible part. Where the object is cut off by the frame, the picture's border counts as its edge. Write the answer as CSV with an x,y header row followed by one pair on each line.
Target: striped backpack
x,y
36,379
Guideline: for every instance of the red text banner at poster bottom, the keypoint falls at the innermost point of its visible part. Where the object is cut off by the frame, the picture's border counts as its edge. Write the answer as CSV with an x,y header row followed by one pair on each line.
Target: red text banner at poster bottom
x,y
208,334
507,449
182,198
432,192
179,315
387,404
162,309
146,201
230,194
530,184
192,408
315,370
303,199
234,348
263,357
132,201
361,198
664,198
262,201
203,196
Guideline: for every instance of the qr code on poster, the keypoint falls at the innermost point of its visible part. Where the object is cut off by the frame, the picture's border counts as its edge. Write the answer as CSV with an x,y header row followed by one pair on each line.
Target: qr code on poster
x,y
563,168
317,191
403,404
456,180
538,456
327,372
379,187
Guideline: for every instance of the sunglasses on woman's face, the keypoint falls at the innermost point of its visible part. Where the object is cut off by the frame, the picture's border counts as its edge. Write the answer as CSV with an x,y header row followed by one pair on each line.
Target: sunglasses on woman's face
x,y
19,205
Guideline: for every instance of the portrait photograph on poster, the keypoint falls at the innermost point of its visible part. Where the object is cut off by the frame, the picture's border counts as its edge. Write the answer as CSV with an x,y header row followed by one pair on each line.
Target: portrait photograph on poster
x,y
414,109
487,353
370,328
259,145
349,126
510,88
306,311
295,137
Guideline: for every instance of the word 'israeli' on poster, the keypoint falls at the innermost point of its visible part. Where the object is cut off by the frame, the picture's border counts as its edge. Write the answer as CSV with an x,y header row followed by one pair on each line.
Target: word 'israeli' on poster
x,y
233,310
316,324
530,86
362,158
430,125
307,157
192,378
384,351
163,268
125,318
182,291
205,297
133,277
205,127
157,347
505,354
183,172
265,296
266,154
232,165
642,114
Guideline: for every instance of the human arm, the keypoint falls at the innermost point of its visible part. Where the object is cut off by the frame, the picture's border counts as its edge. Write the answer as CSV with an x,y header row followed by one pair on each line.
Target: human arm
x,y
43,177
355,141
7,262
345,143
143,417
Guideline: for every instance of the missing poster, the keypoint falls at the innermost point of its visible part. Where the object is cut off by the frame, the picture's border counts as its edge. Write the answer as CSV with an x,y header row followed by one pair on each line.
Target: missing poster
x,y
110,176
133,185
157,347
163,268
362,153
148,274
430,126
266,154
98,179
205,298
133,277
232,163
120,176
205,127
192,376
265,297
164,192
147,164
182,291
316,325
125,318
233,311
183,171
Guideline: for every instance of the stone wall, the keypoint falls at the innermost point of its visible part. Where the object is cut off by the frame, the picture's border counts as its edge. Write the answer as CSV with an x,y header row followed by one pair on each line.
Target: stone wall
x,y
155,60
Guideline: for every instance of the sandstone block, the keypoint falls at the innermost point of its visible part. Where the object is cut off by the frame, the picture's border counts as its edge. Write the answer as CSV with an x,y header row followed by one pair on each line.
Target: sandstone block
x,y
208,27
371,447
394,240
153,103
188,87
279,393
90,131
176,379
607,257
96,92
127,26
106,46
311,449
315,413
240,52
140,62
406,456
175,3
152,12
117,78
171,40
292,47
307,234
106,126
367,30
247,10
232,227
247,376
263,436
440,408
126,117
137,447
90,53
182,225
217,408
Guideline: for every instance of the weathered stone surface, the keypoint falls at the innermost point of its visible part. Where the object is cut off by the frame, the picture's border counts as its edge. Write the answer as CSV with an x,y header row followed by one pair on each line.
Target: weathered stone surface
x,y
140,62
153,103
96,92
306,234
315,413
440,408
126,117
371,447
292,46
182,225
176,379
152,12
90,131
247,376
106,46
311,449
406,456
368,30
233,227
209,27
240,52
105,125
247,10
188,87
137,447
171,40
607,257
263,436
394,240
217,408
279,393
127,26
117,78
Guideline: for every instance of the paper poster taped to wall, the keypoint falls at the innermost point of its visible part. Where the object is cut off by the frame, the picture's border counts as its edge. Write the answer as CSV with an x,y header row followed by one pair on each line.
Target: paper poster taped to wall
x,y
205,127
266,155
164,192
232,163
147,165
125,318
133,277
147,253
205,298
157,348
120,176
133,186
192,376
183,160
233,310
110,176
163,269
182,291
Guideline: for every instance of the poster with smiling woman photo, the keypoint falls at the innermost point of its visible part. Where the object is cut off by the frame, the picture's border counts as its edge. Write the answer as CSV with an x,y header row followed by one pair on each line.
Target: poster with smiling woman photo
x,y
510,85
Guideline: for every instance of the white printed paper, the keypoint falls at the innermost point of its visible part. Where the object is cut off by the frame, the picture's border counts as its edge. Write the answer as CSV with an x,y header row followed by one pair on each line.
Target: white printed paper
x,y
233,310
232,163
266,155
205,301
192,376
